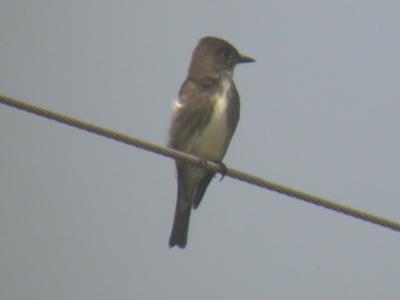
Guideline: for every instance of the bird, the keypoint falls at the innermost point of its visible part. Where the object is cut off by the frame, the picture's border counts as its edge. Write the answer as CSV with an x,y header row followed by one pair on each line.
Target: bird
x,y
204,120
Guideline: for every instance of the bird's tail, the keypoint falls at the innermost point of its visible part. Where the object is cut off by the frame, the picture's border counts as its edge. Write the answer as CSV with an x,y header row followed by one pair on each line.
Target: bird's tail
x,y
181,226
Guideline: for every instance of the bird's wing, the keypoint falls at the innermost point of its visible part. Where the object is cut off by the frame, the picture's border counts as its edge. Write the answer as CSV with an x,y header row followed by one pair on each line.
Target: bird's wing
x,y
192,113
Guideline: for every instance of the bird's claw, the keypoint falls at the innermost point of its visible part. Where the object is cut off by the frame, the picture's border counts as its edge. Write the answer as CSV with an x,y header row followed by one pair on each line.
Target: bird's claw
x,y
222,169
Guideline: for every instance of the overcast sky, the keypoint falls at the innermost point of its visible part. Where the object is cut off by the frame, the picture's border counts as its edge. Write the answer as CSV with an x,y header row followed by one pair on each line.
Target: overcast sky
x,y
83,217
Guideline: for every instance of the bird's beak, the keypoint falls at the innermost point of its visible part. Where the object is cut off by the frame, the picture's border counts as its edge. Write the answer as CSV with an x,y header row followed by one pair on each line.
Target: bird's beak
x,y
245,59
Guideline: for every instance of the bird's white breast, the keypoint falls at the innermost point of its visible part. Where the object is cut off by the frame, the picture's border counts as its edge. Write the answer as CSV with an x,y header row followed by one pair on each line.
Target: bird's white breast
x,y
211,142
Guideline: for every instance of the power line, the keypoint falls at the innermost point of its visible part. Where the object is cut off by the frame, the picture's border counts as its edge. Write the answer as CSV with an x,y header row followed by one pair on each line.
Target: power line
x,y
211,166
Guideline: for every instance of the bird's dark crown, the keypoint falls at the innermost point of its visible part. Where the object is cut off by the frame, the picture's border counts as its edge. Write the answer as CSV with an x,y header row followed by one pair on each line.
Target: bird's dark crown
x,y
214,57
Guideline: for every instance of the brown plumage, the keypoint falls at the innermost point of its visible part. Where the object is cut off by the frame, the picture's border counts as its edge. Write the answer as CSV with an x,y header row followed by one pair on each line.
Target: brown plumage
x,y
204,120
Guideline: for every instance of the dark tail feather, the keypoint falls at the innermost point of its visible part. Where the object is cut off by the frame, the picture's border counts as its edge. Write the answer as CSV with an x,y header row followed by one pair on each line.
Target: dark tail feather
x,y
180,227
202,189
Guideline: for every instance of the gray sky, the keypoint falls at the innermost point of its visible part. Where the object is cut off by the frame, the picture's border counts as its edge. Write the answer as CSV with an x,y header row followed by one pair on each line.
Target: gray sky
x,y
82,217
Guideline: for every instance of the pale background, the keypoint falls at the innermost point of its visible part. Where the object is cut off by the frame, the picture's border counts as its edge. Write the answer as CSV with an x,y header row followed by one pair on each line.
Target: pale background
x,y
83,217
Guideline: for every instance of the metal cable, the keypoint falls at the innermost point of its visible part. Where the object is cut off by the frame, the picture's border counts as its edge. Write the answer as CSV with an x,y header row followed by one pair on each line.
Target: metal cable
x,y
211,166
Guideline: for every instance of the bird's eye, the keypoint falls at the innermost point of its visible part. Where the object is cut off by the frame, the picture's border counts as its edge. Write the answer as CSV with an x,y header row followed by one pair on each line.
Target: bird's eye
x,y
226,53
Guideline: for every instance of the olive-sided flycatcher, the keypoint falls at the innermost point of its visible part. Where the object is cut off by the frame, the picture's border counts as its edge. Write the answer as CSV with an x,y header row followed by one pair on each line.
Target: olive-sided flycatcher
x,y
204,119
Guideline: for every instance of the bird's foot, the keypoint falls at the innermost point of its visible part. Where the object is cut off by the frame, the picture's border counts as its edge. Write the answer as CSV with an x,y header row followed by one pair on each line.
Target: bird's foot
x,y
222,169
204,163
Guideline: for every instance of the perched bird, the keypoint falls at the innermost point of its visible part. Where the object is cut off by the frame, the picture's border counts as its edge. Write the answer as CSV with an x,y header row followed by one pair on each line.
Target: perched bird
x,y
204,119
